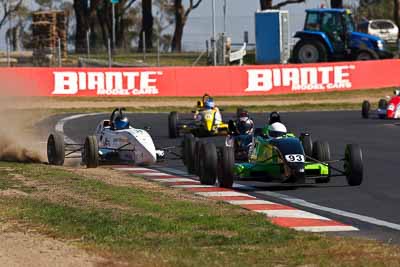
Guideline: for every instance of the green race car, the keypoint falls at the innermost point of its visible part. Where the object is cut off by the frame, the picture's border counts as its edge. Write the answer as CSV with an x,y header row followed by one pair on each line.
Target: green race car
x,y
285,159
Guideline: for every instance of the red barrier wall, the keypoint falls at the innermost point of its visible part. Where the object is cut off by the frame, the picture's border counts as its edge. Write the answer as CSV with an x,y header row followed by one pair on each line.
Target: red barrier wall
x,y
194,81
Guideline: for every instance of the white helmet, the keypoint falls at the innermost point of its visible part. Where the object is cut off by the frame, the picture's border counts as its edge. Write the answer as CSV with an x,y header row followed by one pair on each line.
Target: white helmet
x,y
277,129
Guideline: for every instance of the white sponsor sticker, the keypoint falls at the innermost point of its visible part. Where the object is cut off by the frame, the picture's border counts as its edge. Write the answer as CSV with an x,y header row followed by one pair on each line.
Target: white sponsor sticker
x,y
295,158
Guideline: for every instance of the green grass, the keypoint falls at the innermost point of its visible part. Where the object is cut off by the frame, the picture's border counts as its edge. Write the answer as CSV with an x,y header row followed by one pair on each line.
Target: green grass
x,y
153,226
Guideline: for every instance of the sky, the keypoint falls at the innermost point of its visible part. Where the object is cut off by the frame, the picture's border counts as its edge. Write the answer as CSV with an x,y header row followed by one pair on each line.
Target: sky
x,y
240,18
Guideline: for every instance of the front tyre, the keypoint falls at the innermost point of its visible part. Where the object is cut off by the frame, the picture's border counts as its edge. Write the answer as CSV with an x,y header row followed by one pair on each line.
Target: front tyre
x,y
90,155
56,149
173,119
309,51
353,165
208,164
366,106
322,152
382,105
225,168
307,143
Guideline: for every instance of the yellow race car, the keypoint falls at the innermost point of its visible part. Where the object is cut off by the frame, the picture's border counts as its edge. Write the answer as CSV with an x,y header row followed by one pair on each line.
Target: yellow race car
x,y
207,121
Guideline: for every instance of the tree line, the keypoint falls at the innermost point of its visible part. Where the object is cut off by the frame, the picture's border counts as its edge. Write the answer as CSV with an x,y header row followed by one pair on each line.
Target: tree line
x,y
148,19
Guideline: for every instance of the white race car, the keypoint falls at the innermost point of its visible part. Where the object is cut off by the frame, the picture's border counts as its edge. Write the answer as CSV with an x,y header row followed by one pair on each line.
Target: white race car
x,y
114,141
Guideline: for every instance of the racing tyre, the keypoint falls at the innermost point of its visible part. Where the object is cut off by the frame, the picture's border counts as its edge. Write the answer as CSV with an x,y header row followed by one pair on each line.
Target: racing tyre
x,y
173,119
90,155
322,152
208,164
382,104
225,169
307,143
353,165
188,152
309,51
55,149
197,150
366,106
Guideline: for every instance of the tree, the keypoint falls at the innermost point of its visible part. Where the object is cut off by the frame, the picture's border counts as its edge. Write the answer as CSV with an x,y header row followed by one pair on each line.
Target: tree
x,y
147,25
9,7
181,16
267,4
336,3
98,19
396,12
164,19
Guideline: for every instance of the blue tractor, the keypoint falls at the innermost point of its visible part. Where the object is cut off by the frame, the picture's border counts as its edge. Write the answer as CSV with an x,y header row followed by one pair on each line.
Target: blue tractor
x,y
329,35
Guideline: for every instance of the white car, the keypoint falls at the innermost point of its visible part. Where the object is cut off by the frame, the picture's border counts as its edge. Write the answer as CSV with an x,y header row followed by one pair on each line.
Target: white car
x,y
385,29
114,141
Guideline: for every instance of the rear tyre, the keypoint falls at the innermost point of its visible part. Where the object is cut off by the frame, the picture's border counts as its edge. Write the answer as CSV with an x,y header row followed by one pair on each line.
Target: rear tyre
x,y
353,165
307,143
173,119
366,106
322,152
225,168
188,152
56,149
90,155
309,51
208,164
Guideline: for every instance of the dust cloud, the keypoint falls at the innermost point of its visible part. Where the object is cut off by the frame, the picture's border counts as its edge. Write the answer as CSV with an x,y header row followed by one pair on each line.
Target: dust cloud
x,y
19,142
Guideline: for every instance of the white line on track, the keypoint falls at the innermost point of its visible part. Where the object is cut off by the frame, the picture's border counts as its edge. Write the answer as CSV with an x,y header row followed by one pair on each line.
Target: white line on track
x,y
250,202
342,213
174,180
317,229
222,194
60,124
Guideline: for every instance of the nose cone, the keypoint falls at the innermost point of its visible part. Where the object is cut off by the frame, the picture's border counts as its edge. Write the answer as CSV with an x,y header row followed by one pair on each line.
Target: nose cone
x,y
297,170
209,125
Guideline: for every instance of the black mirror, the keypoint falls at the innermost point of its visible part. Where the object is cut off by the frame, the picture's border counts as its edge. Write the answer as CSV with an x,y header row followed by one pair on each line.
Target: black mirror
x,y
199,104
193,111
147,128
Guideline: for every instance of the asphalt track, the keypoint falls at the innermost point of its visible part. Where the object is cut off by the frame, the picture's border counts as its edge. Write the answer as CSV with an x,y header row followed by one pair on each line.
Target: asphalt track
x,y
372,207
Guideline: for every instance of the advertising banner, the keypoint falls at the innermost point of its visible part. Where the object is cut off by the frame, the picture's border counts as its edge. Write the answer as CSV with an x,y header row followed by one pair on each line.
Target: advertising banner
x,y
195,81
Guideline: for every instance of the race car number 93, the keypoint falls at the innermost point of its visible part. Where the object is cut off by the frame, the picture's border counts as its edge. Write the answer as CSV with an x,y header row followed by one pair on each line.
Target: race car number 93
x,y
295,158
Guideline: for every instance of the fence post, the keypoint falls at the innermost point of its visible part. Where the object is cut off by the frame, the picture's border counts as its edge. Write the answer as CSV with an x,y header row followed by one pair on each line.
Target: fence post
x,y
88,43
59,52
8,53
144,46
109,53
158,52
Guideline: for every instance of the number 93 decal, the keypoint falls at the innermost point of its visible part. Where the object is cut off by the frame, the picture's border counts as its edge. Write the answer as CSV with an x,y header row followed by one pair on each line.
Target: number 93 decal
x,y
295,158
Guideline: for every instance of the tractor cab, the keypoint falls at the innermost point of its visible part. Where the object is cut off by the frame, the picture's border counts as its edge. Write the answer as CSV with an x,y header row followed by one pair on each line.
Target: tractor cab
x,y
330,34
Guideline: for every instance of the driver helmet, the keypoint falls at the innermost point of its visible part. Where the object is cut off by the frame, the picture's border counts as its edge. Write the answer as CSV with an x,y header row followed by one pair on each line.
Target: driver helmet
x,y
274,117
245,125
209,103
276,130
121,123
397,92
